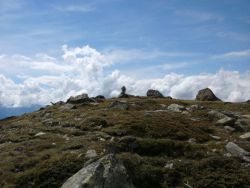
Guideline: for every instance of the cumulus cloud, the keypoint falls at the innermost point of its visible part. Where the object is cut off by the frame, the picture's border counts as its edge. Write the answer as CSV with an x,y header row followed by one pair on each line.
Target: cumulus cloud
x,y
42,79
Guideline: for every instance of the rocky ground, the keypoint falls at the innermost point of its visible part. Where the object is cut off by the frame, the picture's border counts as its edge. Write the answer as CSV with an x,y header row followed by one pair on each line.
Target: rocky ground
x,y
128,142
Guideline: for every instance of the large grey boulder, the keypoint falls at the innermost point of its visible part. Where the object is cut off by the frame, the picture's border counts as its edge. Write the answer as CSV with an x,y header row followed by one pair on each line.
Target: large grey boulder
x,y
206,95
154,93
237,151
107,172
176,107
83,98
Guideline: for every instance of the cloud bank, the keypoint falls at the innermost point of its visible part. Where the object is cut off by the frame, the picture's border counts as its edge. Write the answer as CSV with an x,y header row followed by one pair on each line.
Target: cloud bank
x,y
41,79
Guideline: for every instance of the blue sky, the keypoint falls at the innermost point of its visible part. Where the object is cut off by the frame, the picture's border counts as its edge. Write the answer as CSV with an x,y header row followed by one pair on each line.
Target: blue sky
x,y
145,39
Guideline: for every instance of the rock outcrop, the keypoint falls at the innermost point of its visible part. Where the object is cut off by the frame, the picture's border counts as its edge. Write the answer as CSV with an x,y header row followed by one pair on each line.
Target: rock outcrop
x,y
83,98
154,93
206,95
107,172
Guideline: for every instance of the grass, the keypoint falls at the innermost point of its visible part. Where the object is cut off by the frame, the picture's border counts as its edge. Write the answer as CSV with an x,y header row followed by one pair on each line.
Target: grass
x,y
145,141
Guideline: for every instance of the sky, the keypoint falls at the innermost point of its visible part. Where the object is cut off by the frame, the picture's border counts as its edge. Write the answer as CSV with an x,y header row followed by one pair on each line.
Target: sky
x,y
52,49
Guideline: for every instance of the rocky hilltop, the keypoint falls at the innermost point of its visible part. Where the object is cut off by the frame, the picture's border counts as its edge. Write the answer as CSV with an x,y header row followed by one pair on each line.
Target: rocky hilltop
x,y
128,142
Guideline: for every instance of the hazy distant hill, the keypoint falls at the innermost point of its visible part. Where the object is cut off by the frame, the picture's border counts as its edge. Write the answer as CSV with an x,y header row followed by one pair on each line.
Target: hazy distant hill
x,y
8,111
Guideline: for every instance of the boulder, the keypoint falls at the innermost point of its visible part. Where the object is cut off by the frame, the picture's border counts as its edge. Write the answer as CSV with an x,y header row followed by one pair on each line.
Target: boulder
x,y
235,150
119,105
154,93
206,95
107,172
229,128
176,108
83,98
100,97
216,114
226,121
242,124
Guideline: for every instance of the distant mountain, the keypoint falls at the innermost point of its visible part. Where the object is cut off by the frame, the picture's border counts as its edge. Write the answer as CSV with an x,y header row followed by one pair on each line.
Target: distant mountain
x,y
10,111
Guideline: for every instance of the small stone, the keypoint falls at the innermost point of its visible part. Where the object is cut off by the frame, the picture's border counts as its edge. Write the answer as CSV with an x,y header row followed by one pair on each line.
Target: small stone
x,y
91,154
215,137
214,150
185,113
176,108
40,134
163,105
195,107
169,165
66,137
228,155
246,116
230,129
245,136
102,139
192,140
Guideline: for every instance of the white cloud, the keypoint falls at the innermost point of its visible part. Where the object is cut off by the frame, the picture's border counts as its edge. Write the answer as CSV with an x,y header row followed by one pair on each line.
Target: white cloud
x,y
235,54
121,55
26,80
